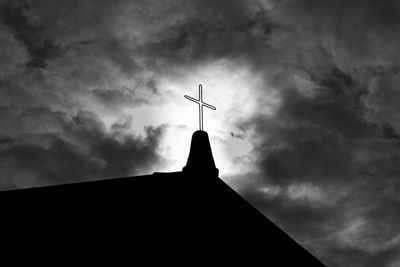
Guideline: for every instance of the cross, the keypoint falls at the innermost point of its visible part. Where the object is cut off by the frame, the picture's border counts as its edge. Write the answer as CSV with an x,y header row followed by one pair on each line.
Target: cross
x,y
201,104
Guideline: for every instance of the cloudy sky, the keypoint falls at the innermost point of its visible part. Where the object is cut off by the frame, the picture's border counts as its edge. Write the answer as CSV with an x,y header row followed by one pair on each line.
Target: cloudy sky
x,y
307,126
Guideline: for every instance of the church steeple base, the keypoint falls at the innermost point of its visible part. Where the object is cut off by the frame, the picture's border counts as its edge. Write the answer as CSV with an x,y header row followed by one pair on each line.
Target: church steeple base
x,y
200,160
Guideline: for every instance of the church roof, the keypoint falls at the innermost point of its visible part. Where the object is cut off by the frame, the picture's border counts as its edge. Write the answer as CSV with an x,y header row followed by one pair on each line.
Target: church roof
x,y
190,214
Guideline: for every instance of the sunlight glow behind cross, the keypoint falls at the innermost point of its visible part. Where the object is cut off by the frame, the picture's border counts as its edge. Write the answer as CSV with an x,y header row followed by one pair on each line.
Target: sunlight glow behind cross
x,y
201,104
240,90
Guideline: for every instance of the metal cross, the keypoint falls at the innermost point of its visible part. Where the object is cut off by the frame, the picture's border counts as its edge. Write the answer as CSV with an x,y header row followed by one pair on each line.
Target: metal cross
x,y
201,104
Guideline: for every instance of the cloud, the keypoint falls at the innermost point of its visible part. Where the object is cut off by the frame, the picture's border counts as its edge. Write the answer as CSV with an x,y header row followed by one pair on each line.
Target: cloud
x,y
335,134
62,69
82,150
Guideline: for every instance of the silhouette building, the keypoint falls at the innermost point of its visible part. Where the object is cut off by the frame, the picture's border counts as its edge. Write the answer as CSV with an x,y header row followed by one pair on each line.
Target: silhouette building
x,y
187,218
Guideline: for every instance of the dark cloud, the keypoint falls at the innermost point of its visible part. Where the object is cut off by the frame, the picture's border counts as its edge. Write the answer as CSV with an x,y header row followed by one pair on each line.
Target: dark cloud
x,y
327,155
56,61
123,96
235,32
83,150
31,36
315,131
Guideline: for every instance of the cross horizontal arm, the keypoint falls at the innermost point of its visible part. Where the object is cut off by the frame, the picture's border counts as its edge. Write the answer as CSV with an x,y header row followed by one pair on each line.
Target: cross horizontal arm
x,y
209,106
192,99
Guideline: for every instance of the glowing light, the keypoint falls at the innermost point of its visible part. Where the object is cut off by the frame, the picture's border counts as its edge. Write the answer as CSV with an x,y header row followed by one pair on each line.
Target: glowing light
x,y
233,89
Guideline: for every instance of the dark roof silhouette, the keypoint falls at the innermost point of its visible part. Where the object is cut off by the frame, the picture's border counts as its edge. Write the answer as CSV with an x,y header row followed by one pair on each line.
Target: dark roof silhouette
x,y
161,218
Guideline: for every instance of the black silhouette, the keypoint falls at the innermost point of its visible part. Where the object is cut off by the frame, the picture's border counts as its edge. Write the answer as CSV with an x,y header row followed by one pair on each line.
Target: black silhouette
x,y
163,218
200,160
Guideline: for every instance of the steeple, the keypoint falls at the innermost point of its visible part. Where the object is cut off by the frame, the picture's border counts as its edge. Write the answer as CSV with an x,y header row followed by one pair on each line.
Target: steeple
x,y
200,160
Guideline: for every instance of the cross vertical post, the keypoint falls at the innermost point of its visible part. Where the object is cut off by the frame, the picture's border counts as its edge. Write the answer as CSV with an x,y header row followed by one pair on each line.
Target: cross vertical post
x,y
200,107
201,104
